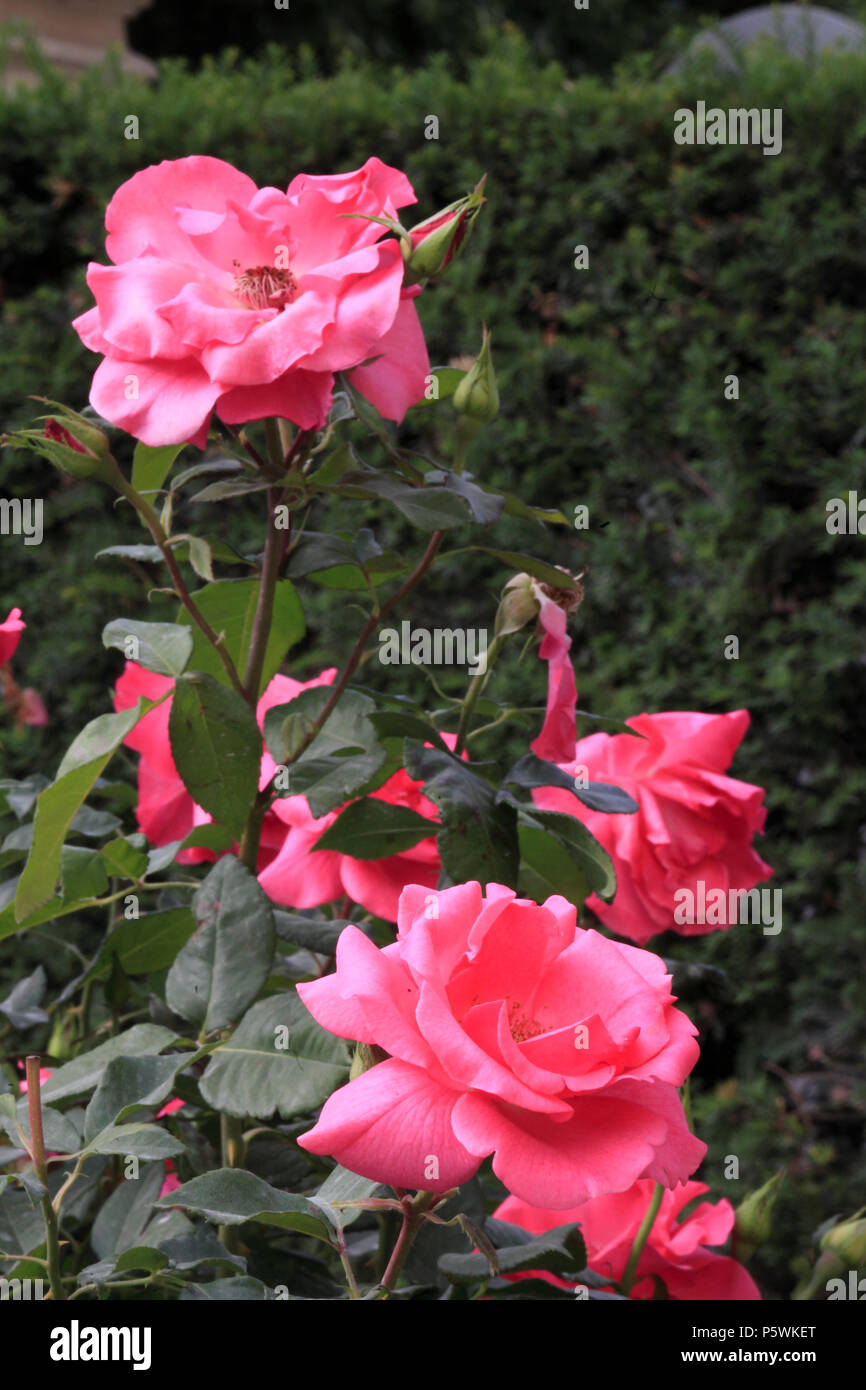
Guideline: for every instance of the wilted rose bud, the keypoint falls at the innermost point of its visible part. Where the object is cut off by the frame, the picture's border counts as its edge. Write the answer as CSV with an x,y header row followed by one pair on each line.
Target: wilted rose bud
x,y
518,606
434,243
753,1219
477,396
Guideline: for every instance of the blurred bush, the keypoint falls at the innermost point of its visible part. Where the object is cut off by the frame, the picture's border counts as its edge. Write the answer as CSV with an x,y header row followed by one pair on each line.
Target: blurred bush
x,y
707,515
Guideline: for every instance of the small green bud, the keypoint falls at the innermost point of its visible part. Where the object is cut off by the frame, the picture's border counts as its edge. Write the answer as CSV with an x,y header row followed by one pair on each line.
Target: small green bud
x,y
477,396
753,1219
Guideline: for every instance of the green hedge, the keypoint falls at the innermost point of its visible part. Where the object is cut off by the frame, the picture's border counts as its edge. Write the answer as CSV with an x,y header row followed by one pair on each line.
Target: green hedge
x,y
707,516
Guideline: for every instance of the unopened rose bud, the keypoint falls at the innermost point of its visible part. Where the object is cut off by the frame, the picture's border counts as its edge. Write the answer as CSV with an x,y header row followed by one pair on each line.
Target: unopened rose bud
x,y
518,606
848,1243
72,443
477,396
753,1219
434,243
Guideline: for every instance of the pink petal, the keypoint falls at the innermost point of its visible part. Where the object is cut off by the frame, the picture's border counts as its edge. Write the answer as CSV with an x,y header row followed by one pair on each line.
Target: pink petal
x,y
393,1124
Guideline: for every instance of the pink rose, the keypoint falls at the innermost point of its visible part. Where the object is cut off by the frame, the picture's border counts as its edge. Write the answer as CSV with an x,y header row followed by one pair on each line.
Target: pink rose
x,y
510,1031
676,1250
223,295
559,731
10,635
166,811
302,876
693,831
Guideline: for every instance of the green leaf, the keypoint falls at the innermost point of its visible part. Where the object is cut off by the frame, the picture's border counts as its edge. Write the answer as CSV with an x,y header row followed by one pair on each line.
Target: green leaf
x,y
531,771
150,943
58,1130
84,761
141,1257
82,873
374,829
230,1196
342,758
547,868
397,724
447,380
162,647
539,569
126,1084
560,1251
229,605
589,856
135,1141
217,748
309,933
122,1218
479,839
277,1059
242,1288
123,859
151,466
486,507
429,508
77,1077
21,1226
219,972
343,1186
22,1004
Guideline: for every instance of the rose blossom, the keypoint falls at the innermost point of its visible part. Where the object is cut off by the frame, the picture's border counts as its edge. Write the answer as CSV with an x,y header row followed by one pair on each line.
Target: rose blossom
x,y
694,824
676,1249
248,300
511,1031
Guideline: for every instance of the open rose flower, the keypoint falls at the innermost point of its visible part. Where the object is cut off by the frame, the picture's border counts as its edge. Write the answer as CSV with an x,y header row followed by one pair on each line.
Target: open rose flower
x,y
165,810
694,824
248,300
677,1250
510,1031
10,635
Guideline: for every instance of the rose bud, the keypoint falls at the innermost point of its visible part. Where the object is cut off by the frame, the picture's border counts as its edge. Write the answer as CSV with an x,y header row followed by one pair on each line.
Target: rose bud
x,y
434,243
477,396
517,607
753,1219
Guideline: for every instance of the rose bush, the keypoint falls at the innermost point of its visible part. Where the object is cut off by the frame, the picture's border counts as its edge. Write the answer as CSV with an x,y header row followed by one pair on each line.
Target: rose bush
x,y
510,1031
695,824
677,1250
491,1026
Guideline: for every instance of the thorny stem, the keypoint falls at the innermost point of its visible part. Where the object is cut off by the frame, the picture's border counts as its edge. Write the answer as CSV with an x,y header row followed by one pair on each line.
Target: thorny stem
x,y
37,1140
413,1215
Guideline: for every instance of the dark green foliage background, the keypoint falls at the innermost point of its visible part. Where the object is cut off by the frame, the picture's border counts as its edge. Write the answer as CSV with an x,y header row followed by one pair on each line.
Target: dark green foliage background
x,y
704,262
